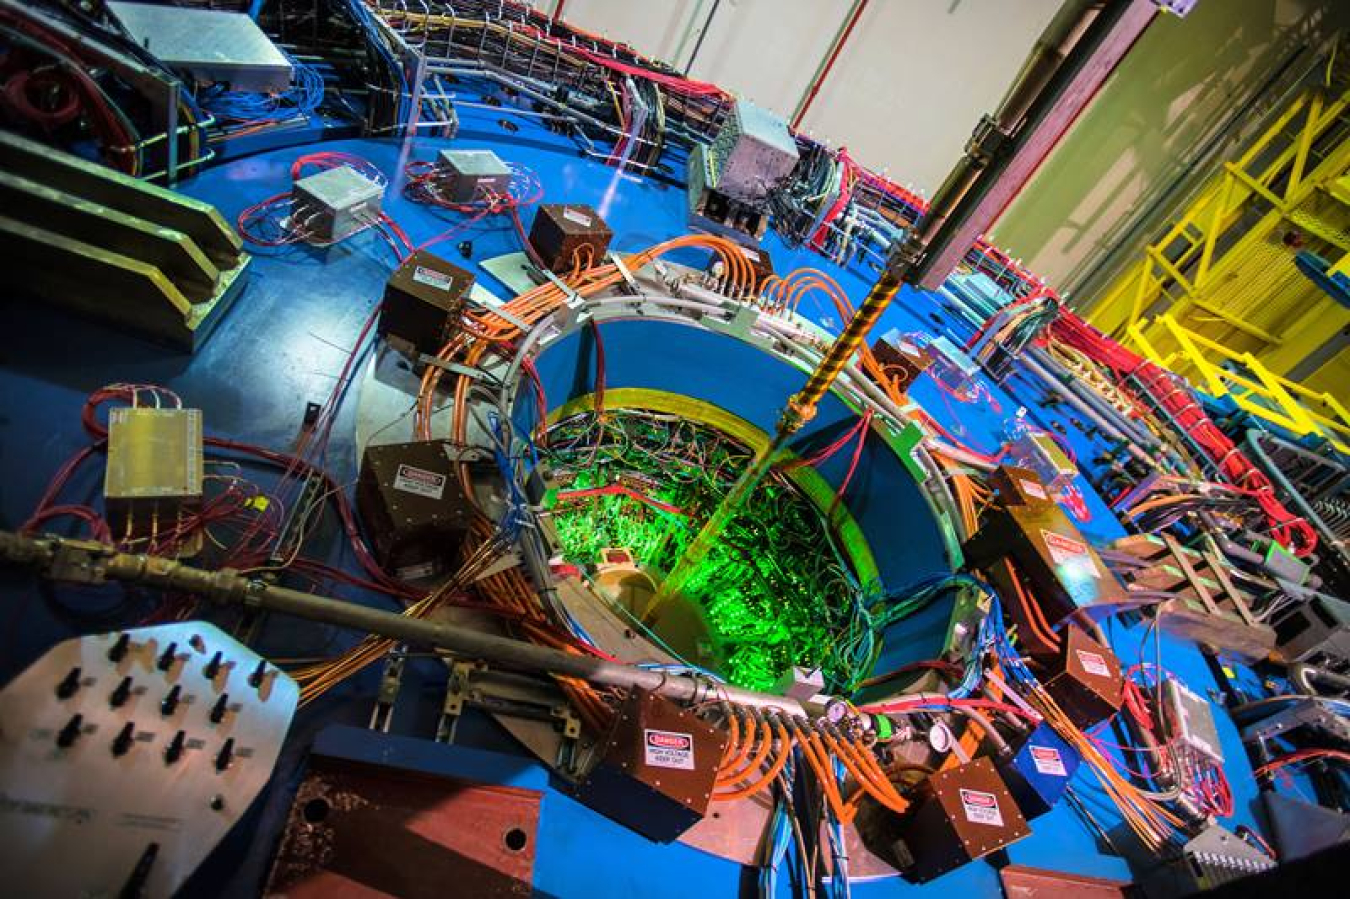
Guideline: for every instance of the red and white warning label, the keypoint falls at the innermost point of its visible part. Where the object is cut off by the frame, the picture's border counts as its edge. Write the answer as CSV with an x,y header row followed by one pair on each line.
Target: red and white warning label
x,y
1094,663
419,481
431,278
981,807
1070,553
669,749
1048,761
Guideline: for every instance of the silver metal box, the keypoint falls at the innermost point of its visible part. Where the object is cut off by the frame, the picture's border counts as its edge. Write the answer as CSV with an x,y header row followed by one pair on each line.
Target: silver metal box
x,y
752,152
1041,454
462,174
208,45
1190,719
334,204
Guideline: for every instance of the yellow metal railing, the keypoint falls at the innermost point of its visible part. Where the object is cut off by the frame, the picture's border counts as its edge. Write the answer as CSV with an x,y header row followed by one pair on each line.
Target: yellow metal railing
x,y
1224,270
1240,376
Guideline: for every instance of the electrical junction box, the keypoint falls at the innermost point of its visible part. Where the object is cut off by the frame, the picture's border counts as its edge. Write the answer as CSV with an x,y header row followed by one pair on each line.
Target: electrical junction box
x,y
1038,452
1084,679
1213,858
154,469
209,45
901,359
1038,773
1283,564
1190,720
752,152
565,235
957,815
1029,532
1318,629
423,300
334,204
951,365
713,211
465,175
654,770
413,507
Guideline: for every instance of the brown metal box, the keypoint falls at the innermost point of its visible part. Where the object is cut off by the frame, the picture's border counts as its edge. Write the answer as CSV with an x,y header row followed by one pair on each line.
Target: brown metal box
x,y
655,768
413,507
902,360
957,816
1057,562
1084,679
561,231
422,303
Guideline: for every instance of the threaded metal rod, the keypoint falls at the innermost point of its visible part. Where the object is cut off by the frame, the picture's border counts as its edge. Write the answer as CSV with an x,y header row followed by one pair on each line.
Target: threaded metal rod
x,y
88,562
801,408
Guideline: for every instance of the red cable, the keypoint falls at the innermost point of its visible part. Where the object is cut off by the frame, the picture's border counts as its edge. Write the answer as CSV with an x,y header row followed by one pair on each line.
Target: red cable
x,y
620,490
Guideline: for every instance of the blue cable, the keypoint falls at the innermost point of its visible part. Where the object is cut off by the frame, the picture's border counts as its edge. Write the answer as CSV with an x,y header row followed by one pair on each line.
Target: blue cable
x,y
302,98
366,19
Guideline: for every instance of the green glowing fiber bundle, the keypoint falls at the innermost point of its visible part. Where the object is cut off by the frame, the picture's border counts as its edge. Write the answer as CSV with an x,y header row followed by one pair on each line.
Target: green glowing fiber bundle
x,y
775,590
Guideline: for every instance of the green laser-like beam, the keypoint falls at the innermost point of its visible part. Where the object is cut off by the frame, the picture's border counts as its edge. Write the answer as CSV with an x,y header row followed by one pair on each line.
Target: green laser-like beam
x,y
697,550
800,409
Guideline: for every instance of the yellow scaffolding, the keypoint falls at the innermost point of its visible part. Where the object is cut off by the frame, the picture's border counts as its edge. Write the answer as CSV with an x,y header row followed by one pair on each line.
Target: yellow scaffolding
x,y
1220,289
1241,377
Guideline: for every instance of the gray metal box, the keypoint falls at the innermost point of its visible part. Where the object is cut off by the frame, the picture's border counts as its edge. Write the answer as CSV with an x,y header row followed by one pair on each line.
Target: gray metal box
x,y
462,174
334,204
208,44
711,210
752,152
1314,630
1190,720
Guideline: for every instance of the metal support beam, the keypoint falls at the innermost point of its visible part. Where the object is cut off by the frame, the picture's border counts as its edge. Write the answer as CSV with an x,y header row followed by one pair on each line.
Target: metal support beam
x,y
1035,115
85,561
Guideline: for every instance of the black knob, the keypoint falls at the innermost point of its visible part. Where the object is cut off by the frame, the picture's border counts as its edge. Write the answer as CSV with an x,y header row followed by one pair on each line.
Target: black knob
x,y
171,700
168,657
121,693
174,751
255,679
125,737
119,649
226,755
218,710
212,667
67,687
71,732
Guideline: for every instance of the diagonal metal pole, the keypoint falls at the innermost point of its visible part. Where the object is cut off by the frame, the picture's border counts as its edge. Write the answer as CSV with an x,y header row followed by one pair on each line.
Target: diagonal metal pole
x,y
801,408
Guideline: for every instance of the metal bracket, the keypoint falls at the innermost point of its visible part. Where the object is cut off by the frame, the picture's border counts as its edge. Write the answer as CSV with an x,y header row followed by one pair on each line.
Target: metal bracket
x,y
390,683
500,312
624,272
455,368
474,685
1304,713
987,140
574,307
456,692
